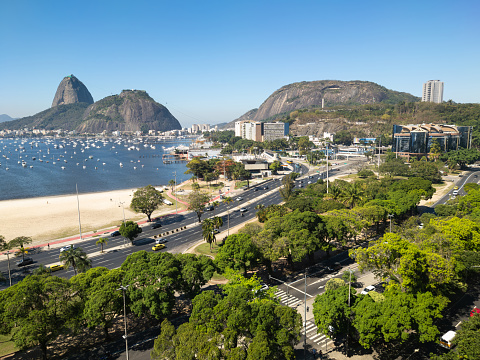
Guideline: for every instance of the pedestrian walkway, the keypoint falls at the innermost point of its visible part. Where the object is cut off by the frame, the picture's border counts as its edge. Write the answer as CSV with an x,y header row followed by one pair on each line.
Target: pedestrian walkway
x,y
287,299
323,342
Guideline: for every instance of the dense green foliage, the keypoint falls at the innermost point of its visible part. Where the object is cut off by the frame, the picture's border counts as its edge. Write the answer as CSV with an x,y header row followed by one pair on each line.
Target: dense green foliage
x,y
241,324
146,200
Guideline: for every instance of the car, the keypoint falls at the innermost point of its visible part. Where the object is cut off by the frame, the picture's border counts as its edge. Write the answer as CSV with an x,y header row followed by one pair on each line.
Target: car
x,y
455,192
309,182
156,225
368,289
158,247
243,209
255,189
475,311
67,247
161,241
25,261
265,188
209,208
239,198
115,233
455,188
56,267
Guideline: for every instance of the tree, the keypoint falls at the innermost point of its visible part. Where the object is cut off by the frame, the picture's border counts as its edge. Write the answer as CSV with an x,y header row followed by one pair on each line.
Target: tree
x,y
435,150
288,184
76,258
146,200
20,242
275,166
208,232
196,271
104,302
217,222
238,252
102,241
171,183
425,170
130,230
38,308
196,202
153,277
331,310
197,167
352,194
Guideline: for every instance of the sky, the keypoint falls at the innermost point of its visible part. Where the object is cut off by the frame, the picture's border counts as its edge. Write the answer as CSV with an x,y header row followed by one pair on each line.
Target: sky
x,y
212,61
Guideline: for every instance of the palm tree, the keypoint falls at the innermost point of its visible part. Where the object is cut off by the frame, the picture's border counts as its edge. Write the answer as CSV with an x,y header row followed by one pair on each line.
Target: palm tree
x,y
76,258
22,252
227,201
217,223
207,231
352,194
20,241
195,186
102,241
215,204
171,183
334,192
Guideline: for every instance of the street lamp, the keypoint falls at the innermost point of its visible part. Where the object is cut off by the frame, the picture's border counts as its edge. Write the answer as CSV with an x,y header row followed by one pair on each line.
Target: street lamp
x,y
414,351
9,273
123,210
175,192
390,216
124,288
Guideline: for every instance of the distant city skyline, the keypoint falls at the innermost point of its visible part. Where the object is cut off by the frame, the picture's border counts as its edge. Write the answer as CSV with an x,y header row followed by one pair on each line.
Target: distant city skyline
x,y
211,62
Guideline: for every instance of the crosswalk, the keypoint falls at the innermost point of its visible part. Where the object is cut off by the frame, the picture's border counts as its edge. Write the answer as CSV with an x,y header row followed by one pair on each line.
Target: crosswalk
x,y
311,329
287,299
320,339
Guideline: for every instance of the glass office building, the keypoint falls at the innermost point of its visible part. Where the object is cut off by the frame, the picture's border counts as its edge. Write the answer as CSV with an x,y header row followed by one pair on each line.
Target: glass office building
x,y
416,140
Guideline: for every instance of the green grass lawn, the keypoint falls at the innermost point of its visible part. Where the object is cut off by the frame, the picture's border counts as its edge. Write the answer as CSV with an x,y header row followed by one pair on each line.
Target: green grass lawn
x,y
6,346
204,249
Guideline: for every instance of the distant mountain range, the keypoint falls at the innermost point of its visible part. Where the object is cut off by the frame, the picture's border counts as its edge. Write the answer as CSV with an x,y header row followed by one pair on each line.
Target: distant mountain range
x,y
73,109
5,117
309,94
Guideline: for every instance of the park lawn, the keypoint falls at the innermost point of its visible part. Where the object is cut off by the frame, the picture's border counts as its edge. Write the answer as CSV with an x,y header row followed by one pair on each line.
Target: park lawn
x,y
6,345
204,249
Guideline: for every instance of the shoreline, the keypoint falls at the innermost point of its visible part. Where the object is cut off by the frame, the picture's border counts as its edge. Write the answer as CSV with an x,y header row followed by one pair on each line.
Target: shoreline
x,y
48,218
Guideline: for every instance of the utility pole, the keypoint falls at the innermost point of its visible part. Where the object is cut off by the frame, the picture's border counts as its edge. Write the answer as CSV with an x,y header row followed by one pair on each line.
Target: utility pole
x,y
124,288
9,272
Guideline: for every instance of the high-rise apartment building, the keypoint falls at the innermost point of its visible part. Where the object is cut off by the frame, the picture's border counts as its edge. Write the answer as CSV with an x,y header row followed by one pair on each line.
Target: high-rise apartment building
x,y
433,91
273,131
249,130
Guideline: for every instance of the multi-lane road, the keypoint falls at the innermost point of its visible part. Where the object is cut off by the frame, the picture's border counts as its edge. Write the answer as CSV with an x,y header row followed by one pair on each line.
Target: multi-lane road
x,y
118,249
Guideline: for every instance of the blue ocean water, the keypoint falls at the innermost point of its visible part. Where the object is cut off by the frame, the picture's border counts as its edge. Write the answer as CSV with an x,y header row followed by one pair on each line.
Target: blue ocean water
x,y
93,166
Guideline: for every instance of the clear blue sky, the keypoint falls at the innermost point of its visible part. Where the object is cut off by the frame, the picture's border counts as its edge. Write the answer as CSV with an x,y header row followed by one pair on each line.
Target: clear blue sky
x,y
212,61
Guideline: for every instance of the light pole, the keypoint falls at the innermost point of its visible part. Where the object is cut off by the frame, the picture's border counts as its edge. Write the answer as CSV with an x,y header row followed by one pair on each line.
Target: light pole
x,y
327,167
305,319
9,273
175,192
78,209
414,351
123,210
124,288
390,217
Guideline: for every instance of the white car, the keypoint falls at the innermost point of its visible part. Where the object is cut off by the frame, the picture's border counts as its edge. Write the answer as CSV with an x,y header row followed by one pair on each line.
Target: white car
x,y
161,241
368,289
67,247
239,198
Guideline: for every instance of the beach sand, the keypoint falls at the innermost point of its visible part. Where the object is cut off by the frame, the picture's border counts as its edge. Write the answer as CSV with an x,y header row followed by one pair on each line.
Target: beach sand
x,y
53,217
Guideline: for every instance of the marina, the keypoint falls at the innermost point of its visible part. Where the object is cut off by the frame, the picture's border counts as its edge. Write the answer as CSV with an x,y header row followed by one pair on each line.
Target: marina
x,y
34,167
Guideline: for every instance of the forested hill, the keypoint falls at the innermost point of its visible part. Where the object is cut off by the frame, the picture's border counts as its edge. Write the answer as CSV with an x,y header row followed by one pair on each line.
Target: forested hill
x,y
308,94
377,119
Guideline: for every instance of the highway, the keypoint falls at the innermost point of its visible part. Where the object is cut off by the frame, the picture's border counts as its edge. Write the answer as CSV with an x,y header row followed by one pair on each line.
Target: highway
x,y
115,252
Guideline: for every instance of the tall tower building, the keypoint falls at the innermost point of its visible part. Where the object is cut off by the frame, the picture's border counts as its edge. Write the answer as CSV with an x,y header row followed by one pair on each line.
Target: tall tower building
x,y
433,91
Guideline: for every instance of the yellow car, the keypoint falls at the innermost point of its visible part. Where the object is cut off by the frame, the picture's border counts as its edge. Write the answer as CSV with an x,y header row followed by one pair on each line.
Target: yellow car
x,y
56,267
158,247
455,188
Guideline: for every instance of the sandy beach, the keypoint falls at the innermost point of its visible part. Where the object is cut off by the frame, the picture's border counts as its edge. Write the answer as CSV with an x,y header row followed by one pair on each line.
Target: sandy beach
x,y
53,217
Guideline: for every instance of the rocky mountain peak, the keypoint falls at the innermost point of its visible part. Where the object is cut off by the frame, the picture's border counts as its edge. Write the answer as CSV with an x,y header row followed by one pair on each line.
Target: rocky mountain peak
x,y
71,91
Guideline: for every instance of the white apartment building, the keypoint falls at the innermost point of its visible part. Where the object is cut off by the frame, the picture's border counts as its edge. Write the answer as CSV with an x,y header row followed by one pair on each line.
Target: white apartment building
x,y
433,91
249,130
